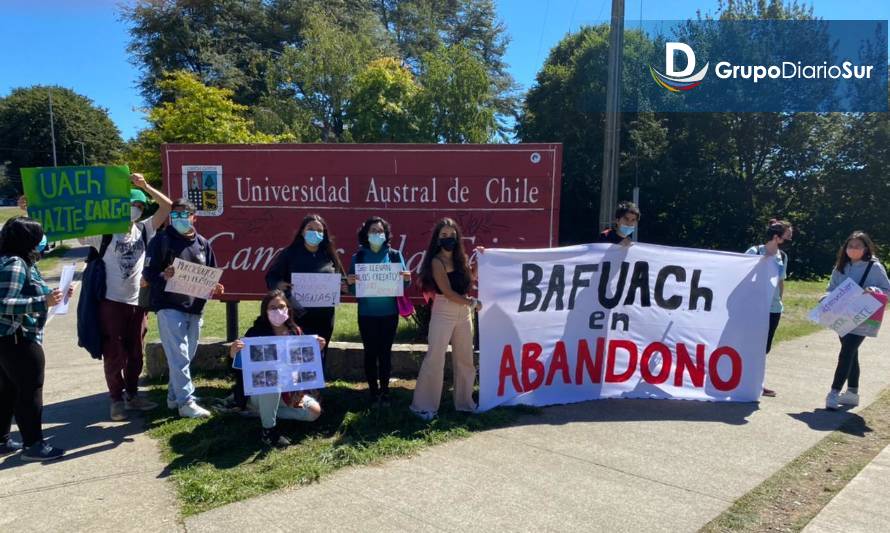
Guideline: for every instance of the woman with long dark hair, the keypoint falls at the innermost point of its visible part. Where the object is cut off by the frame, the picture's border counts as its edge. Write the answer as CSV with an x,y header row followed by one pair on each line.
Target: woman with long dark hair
x,y
25,300
276,318
378,317
856,260
311,252
446,275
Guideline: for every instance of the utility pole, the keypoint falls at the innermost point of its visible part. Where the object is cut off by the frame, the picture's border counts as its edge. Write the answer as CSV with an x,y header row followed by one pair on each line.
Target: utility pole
x,y
52,128
609,191
83,156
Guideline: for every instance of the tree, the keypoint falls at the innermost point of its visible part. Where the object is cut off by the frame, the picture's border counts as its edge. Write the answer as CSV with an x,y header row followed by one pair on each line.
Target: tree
x,y
383,103
457,101
25,139
319,75
196,114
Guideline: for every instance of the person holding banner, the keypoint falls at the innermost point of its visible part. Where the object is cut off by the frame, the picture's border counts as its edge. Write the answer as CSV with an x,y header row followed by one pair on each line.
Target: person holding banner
x,y
276,318
446,277
311,252
778,234
856,260
122,321
25,300
378,317
179,315
627,216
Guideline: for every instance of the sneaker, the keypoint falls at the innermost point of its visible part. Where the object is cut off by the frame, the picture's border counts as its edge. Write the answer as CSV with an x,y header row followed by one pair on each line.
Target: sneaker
x,y
138,403
271,437
118,411
831,401
426,416
9,445
42,451
193,410
848,398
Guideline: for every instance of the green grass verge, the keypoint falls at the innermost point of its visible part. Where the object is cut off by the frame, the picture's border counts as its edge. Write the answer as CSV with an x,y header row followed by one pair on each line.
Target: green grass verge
x,y
345,326
50,262
794,495
800,297
220,460
8,212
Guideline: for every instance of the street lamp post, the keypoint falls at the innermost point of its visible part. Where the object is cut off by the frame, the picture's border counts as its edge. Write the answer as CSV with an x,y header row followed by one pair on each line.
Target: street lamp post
x,y
609,191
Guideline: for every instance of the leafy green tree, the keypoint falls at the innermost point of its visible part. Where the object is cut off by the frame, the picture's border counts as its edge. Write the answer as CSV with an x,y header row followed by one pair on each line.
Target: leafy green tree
x,y
196,114
382,104
25,139
456,104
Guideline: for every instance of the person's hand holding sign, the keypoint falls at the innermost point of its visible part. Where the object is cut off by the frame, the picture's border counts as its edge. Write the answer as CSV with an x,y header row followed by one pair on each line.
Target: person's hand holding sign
x,y
54,298
168,273
350,279
218,290
406,275
236,347
321,342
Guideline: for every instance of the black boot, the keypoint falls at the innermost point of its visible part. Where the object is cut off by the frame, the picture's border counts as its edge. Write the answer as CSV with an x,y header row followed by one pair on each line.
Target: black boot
x,y
271,437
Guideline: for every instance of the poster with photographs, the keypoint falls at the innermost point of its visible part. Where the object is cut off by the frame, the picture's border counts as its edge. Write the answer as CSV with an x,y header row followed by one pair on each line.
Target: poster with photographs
x,y
281,364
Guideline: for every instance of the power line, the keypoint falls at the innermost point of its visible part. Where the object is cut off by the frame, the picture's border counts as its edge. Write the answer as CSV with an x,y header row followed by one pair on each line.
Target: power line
x,y
543,26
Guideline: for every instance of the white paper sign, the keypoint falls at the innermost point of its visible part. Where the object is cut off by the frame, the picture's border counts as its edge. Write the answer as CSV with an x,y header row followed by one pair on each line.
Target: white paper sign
x,y
65,280
845,308
596,321
281,364
379,279
193,279
316,290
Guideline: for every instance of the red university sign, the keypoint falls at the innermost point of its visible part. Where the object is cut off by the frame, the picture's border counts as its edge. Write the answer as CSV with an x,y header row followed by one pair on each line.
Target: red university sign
x,y
251,198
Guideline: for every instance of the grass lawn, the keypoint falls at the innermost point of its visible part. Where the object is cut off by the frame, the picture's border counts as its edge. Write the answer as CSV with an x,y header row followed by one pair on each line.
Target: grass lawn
x,y
50,262
220,460
8,212
800,297
345,327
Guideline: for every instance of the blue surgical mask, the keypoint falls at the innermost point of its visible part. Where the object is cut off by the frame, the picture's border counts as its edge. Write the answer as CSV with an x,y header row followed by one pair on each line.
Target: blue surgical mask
x,y
41,246
627,231
182,225
376,240
313,238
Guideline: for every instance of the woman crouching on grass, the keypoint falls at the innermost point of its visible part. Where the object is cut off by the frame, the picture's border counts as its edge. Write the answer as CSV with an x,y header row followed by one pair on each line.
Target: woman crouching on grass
x,y
856,260
276,318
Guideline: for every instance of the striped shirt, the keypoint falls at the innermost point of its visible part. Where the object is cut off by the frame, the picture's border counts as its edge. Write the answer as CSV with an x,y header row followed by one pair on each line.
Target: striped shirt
x,y
22,299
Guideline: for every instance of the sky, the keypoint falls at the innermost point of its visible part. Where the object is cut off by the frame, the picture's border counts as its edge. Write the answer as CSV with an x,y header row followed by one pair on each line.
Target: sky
x,y
82,44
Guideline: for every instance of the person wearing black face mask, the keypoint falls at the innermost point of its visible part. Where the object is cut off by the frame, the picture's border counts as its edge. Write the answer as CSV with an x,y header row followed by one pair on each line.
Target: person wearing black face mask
x,y
446,277
779,234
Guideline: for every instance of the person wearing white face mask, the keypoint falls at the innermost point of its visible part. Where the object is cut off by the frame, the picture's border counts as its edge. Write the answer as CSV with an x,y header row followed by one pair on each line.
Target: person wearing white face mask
x,y
378,317
856,260
276,318
122,320
627,216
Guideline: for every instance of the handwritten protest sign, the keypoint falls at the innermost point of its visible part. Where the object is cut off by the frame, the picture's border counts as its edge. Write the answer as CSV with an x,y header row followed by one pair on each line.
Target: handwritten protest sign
x,y
78,201
378,279
65,280
847,307
193,279
316,290
280,364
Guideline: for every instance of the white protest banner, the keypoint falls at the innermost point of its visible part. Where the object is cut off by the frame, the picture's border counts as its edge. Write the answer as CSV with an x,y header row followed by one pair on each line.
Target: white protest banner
x,y
193,279
281,364
846,307
565,325
379,279
65,280
316,290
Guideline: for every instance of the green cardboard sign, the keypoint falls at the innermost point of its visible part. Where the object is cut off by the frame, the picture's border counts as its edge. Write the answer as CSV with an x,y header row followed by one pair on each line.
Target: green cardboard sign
x,y
75,202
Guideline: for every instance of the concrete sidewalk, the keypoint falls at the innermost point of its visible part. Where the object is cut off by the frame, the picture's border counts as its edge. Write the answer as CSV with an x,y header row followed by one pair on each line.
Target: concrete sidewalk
x,y
111,479
622,465
862,505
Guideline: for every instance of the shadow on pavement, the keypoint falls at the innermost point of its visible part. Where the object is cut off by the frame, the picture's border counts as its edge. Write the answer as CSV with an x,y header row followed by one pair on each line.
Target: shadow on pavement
x,y
635,410
82,427
841,420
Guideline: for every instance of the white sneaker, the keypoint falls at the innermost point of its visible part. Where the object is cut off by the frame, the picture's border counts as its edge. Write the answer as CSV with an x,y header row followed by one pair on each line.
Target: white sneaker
x,y
831,401
848,398
193,410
